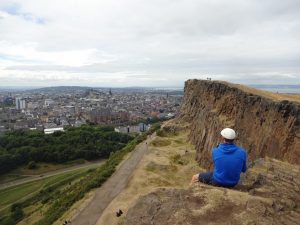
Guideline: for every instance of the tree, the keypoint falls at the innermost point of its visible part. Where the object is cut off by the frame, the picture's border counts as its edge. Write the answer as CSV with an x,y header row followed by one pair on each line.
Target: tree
x,y
85,142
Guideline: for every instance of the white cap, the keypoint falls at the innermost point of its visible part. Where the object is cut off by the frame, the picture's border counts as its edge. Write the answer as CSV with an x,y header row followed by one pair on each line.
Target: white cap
x,y
228,133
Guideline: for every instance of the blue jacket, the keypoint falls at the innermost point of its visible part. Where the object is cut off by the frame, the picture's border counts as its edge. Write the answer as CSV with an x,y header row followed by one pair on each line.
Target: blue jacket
x,y
229,161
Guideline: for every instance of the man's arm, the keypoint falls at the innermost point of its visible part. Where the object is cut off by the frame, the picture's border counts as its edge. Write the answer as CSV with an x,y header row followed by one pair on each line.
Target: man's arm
x,y
244,169
213,156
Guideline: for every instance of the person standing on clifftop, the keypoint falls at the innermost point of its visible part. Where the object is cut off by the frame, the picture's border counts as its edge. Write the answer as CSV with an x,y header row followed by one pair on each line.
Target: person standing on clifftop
x,y
229,161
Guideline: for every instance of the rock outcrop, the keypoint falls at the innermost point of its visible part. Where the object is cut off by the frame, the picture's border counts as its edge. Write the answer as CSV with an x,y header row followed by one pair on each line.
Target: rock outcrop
x,y
265,127
268,194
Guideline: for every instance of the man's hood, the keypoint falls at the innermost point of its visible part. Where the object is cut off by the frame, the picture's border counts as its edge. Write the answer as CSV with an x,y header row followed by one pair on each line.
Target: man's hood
x,y
227,148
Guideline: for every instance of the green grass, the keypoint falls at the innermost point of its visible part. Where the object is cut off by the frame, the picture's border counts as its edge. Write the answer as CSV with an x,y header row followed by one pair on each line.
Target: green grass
x,y
48,167
14,194
42,168
5,178
21,192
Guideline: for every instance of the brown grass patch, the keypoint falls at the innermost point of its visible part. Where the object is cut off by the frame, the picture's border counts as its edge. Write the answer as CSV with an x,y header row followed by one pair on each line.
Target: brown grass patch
x,y
160,142
266,94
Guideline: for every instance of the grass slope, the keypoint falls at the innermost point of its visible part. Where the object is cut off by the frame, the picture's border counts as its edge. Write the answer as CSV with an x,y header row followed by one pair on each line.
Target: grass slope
x,y
48,201
266,94
41,168
18,193
169,163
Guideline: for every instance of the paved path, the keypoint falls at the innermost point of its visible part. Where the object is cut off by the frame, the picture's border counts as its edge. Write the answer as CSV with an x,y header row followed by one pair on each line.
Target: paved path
x,y
49,174
111,188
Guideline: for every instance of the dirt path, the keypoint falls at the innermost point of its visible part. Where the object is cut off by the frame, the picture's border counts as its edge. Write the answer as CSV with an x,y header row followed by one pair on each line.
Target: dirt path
x,y
49,174
111,188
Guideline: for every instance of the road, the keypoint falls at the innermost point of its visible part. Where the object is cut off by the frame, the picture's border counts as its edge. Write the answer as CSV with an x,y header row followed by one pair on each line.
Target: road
x,y
49,174
111,188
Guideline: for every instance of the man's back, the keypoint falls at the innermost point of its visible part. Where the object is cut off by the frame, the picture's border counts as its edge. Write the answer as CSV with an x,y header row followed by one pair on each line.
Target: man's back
x,y
229,161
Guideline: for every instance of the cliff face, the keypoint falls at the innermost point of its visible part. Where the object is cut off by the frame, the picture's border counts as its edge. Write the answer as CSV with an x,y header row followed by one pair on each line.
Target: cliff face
x,y
265,127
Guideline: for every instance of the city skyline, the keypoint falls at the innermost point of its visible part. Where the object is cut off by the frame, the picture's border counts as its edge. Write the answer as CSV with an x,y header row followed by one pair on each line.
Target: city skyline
x,y
113,43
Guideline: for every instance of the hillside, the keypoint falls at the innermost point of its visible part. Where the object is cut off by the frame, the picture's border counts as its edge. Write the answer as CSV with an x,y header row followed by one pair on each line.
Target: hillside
x,y
159,191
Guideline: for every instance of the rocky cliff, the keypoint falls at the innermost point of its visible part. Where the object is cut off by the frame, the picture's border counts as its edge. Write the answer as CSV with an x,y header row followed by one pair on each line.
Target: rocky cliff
x,y
159,190
268,194
265,125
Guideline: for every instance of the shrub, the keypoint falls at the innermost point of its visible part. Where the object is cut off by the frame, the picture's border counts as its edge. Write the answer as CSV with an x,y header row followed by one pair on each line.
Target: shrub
x,y
31,165
17,214
8,221
159,142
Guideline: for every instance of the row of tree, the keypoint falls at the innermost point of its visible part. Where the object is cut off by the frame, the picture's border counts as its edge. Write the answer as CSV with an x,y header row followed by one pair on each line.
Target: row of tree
x,y
85,142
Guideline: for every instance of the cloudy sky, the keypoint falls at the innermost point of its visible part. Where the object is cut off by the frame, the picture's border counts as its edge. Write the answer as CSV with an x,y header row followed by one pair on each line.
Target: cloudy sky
x,y
148,43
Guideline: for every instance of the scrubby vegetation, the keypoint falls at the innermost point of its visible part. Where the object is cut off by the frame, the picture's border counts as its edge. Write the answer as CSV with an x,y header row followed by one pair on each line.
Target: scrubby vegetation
x,y
60,196
167,132
159,142
86,142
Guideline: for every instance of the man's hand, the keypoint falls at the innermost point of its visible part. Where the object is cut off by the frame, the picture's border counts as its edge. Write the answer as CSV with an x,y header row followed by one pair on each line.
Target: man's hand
x,y
194,179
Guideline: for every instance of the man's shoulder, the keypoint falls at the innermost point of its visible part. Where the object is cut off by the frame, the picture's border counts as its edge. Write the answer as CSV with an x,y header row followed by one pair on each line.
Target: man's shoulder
x,y
241,150
215,148
215,151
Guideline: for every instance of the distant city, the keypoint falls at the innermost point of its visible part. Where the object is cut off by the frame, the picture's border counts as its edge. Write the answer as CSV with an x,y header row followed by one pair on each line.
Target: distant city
x,y
50,109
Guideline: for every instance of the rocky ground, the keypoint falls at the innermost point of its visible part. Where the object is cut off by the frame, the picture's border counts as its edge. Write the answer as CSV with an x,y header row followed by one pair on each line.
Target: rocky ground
x,y
268,194
159,192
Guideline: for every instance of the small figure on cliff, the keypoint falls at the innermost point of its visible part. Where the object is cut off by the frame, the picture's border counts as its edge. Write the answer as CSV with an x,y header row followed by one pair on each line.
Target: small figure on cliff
x,y
229,161
119,213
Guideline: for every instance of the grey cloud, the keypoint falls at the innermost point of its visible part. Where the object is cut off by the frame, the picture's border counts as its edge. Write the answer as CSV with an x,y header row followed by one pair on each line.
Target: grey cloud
x,y
234,39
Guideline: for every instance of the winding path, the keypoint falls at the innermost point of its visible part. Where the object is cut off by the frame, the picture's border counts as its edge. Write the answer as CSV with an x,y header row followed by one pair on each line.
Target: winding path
x,y
111,188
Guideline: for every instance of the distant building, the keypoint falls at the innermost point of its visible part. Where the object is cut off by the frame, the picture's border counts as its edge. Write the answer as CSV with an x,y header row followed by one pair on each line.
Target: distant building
x,y
170,115
143,127
8,101
2,129
48,102
20,103
128,129
153,114
52,130
32,105
70,109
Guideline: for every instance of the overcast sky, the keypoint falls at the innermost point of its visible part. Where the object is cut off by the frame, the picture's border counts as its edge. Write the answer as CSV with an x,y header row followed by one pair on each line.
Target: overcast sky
x,y
148,43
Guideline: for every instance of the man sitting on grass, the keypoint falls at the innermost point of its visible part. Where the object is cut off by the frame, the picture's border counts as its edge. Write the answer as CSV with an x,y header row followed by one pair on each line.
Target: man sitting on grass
x,y
229,161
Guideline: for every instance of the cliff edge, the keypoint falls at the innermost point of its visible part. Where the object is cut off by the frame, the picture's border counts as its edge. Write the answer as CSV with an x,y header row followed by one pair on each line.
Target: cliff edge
x,y
268,193
159,191
266,124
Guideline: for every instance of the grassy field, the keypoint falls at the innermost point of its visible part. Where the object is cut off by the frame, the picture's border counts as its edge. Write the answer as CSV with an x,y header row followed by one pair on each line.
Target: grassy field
x,y
19,193
48,167
23,171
